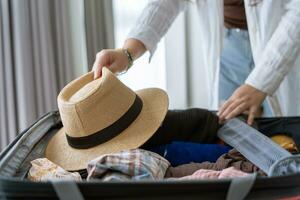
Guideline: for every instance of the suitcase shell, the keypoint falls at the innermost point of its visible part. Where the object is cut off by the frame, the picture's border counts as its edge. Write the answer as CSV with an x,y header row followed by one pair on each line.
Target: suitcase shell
x,y
30,144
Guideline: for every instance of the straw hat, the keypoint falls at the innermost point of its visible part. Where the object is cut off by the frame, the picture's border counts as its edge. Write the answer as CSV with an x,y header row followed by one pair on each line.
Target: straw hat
x,y
103,116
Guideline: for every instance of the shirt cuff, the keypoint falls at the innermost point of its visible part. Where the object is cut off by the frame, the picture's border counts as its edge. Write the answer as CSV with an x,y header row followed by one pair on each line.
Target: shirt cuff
x,y
147,36
265,79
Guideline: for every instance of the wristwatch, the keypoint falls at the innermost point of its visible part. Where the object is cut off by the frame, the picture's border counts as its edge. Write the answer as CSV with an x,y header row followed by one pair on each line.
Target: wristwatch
x,y
129,57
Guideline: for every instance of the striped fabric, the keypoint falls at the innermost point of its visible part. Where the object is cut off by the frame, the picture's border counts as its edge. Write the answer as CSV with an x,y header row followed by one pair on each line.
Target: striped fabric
x,y
136,164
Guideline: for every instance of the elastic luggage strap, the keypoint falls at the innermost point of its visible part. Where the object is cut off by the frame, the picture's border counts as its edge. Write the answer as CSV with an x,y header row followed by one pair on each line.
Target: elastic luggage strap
x,y
67,190
258,148
285,166
240,187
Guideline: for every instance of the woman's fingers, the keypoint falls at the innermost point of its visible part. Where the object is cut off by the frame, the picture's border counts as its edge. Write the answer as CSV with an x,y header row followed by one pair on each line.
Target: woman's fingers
x,y
252,114
224,107
97,71
237,111
244,98
115,59
101,60
232,106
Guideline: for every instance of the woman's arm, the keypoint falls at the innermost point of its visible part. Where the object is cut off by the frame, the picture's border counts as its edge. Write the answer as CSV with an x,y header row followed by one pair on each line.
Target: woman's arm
x,y
280,52
277,59
151,26
156,19
135,47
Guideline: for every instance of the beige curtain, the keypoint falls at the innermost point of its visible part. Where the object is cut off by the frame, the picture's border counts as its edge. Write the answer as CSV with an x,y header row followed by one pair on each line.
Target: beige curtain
x,y
43,46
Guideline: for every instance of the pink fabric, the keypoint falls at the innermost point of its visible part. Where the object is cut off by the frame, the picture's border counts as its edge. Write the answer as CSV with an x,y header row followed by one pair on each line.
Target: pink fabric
x,y
204,173
230,172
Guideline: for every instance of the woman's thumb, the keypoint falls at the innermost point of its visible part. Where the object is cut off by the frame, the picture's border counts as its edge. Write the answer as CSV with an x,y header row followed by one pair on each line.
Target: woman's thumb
x,y
97,71
115,67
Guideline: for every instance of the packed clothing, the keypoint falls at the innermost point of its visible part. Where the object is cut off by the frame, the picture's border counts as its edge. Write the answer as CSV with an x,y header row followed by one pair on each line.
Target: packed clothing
x,y
285,142
136,164
231,159
185,147
230,172
178,153
44,170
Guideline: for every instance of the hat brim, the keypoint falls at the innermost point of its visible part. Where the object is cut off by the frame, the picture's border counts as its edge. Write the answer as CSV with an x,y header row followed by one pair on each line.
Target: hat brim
x,y
155,106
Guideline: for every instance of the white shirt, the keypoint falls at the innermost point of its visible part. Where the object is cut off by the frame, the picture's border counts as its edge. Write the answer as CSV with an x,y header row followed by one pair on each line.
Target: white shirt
x,y
274,29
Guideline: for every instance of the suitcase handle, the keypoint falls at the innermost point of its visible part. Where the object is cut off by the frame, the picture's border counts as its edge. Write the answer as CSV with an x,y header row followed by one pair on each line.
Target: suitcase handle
x,y
240,187
67,190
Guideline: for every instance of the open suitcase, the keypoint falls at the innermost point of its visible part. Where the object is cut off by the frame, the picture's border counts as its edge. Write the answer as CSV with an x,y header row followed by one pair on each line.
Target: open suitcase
x,y
30,144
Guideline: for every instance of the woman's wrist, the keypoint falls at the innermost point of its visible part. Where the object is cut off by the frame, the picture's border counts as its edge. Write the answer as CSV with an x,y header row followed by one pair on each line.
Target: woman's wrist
x,y
129,58
135,47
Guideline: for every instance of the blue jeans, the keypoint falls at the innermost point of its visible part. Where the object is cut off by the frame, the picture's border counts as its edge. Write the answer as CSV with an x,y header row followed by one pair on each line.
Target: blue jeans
x,y
236,64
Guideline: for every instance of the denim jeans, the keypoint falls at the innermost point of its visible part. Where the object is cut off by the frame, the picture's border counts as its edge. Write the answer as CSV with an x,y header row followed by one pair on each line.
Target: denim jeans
x,y
236,64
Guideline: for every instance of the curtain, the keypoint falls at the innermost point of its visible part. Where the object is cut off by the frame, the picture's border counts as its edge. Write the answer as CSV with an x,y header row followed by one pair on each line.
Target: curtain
x,y
188,84
43,46
99,27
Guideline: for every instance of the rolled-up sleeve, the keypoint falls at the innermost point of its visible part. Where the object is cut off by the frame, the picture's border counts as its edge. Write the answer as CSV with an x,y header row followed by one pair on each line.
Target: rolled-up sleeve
x,y
280,52
155,20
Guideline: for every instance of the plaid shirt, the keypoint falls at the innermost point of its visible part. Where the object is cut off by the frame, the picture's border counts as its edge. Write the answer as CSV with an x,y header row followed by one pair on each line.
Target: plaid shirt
x,y
136,164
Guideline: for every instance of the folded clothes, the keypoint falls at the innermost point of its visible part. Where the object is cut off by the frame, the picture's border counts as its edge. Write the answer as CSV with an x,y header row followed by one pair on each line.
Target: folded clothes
x,y
231,159
230,172
286,142
136,164
178,153
44,170
191,125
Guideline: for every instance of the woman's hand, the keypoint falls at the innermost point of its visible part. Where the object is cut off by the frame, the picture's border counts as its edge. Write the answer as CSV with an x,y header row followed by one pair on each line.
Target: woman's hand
x,y
114,59
245,99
